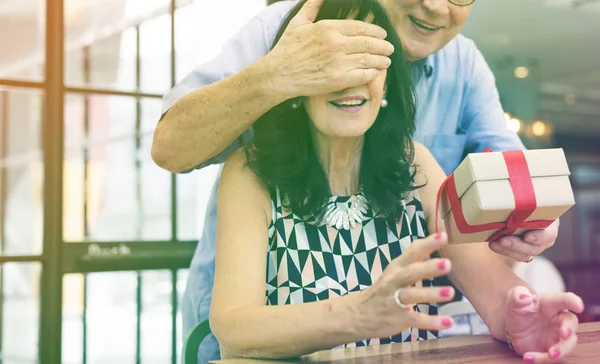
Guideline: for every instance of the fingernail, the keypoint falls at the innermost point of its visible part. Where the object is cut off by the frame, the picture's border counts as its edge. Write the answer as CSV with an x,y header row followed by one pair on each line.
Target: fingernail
x,y
530,239
555,354
442,265
445,292
569,333
438,236
447,322
523,297
529,358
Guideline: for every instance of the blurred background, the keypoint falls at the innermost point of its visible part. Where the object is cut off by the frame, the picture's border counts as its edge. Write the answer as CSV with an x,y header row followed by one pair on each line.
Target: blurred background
x,y
95,240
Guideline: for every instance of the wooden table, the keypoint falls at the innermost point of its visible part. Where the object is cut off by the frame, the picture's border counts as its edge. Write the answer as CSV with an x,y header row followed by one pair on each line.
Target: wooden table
x,y
455,350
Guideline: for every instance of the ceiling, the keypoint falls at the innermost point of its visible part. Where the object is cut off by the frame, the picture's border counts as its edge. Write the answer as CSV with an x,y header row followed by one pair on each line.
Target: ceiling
x,y
563,37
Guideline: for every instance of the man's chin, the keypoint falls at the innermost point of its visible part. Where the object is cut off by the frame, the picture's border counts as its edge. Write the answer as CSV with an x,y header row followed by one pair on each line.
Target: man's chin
x,y
414,51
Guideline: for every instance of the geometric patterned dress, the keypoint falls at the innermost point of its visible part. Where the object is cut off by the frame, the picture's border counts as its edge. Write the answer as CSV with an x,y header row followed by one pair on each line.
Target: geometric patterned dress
x,y
308,262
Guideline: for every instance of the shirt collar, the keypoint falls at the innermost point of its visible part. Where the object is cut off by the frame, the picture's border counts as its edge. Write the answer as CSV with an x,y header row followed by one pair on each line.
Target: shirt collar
x,y
423,67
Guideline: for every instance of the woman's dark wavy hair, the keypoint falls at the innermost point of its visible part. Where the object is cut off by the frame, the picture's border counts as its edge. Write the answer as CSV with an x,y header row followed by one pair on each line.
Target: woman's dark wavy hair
x,y
282,153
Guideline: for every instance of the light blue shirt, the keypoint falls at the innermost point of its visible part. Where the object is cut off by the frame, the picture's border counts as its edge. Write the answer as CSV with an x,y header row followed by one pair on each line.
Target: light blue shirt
x,y
458,112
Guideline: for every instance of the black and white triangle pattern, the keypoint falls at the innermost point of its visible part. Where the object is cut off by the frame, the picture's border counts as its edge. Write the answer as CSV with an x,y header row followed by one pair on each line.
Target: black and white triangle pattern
x,y
308,262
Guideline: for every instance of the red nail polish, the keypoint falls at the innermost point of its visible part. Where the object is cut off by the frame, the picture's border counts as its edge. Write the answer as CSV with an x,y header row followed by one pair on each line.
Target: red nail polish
x,y
442,265
569,332
523,297
447,322
555,354
529,358
445,292
438,236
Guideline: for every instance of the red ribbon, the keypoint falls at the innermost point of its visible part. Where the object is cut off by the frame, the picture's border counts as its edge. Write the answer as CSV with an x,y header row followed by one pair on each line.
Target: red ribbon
x,y
525,203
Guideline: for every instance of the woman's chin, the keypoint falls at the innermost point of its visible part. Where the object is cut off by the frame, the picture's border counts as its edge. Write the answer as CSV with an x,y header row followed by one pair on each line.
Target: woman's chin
x,y
348,133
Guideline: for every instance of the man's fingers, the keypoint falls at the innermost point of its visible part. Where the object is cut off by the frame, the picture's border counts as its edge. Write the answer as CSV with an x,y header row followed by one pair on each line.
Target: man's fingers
x,y
309,12
358,77
518,246
368,45
353,28
506,251
365,60
545,237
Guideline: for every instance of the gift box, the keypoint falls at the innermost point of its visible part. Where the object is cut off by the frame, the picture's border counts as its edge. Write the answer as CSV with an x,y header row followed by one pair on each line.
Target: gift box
x,y
493,194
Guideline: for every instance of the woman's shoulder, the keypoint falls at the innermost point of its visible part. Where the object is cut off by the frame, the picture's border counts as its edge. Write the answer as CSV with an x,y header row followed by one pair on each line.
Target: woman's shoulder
x,y
238,175
424,164
421,151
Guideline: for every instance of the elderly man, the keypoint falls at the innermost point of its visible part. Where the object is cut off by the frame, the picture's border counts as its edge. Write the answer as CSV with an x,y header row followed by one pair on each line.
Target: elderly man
x,y
210,113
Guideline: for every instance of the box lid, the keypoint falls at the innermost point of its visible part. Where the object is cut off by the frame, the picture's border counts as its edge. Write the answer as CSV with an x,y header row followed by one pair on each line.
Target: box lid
x,y
491,166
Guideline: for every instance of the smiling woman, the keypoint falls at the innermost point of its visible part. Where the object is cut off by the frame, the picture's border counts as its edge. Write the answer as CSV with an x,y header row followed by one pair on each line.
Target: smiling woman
x,y
296,155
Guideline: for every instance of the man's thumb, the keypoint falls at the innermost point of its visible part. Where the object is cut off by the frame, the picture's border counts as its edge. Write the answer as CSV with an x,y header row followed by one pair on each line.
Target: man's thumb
x,y
308,13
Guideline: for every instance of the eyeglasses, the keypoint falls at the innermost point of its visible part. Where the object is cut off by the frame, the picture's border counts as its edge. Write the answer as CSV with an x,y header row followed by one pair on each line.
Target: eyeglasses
x,y
461,2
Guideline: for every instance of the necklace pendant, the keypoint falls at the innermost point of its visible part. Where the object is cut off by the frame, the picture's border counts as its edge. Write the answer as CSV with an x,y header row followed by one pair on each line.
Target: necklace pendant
x,y
346,214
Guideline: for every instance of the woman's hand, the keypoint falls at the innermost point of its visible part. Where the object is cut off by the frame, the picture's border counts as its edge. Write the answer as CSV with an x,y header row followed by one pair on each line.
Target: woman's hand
x,y
379,314
542,328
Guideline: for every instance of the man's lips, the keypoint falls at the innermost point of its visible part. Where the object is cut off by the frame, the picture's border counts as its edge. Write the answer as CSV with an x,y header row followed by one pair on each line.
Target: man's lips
x,y
423,24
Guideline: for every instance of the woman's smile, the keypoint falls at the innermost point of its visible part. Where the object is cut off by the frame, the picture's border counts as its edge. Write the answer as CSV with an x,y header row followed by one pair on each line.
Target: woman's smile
x,y
350,104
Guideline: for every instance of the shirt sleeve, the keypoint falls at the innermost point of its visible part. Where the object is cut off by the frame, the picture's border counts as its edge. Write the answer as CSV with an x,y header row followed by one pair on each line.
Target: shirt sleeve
x,y
250,43
484,119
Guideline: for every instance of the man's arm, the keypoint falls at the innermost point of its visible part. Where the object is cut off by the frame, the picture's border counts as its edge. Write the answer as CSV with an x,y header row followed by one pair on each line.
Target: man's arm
x,y
484,118
484,121
185,137
245,81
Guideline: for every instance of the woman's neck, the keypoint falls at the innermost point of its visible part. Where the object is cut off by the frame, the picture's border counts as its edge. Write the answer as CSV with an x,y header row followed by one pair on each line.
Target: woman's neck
x,y
340,159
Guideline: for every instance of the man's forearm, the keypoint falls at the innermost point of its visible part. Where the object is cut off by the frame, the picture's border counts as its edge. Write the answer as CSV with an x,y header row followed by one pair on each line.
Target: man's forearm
x,y
203,123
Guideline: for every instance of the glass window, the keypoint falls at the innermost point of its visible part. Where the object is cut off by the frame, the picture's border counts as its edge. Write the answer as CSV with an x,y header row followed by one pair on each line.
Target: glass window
x,y
23,57
201,29
21,172
157,313
111,317
20,312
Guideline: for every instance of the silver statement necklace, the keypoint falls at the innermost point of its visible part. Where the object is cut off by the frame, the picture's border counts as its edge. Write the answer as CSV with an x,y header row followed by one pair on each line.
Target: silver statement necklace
x,y
344,212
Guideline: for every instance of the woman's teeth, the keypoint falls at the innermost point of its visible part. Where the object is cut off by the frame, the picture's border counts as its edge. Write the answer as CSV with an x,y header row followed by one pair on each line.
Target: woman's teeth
x,y
349,103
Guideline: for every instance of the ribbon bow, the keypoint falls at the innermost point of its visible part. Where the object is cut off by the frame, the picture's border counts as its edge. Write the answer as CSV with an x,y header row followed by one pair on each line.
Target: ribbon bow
x,y
525,202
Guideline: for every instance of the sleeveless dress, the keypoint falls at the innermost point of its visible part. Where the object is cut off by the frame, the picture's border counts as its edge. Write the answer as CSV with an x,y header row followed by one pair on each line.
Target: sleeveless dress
x,y
308,262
